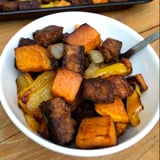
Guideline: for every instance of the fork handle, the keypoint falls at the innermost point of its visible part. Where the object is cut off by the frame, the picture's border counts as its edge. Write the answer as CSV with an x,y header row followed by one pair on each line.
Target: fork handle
x,y
141,45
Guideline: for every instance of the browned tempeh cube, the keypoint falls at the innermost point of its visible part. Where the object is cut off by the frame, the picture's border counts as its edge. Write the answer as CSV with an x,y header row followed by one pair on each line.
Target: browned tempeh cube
x,y
81,2
26,42
60,125
120,86
97,90
111,49
48,35
74,58
29,4
9,6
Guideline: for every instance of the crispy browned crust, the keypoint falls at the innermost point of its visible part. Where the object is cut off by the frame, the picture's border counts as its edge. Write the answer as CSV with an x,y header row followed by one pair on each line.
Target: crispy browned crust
x,y
60,125
139,80
111,49
84,109
103,90
120,86
48,35
98,90
26,42
74,58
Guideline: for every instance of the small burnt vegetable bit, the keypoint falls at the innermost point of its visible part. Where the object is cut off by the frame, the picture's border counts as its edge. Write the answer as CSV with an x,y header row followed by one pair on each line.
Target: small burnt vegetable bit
x,y
139,80
85,109
60,125
26,42
48,35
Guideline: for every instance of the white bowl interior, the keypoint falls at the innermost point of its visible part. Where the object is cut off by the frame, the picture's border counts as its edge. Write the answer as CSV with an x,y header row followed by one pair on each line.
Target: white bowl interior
x,y
145,62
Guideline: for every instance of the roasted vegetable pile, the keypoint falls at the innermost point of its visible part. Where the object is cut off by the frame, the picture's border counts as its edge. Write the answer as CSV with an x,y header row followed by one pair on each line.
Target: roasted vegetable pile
x,y
74,88
14,5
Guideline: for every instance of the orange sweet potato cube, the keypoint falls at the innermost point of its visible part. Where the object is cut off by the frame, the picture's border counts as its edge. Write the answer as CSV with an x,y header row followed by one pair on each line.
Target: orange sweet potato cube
x,y
100,1
116,110
33,58
85,36
96,132
121,128
66,84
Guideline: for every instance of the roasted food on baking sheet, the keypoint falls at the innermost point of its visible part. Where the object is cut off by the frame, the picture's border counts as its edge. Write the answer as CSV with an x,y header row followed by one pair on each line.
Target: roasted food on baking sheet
x,y
81,2
74,88
14,5
9,6
28,4
100,1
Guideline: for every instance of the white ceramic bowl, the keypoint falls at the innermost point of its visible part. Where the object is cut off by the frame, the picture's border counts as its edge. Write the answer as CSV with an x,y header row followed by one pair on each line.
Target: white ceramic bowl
x,y
145,62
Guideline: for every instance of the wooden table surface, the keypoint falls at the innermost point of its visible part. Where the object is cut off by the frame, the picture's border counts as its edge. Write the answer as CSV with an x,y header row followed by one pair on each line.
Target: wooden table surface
x,y
14,145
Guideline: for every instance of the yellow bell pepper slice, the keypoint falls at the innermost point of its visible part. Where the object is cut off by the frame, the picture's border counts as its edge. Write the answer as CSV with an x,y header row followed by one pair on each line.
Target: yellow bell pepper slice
x,y
109,70
48,5
134,106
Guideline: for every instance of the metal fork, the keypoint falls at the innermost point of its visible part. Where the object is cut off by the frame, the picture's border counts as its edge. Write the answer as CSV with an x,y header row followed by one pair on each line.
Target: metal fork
x,y
140,45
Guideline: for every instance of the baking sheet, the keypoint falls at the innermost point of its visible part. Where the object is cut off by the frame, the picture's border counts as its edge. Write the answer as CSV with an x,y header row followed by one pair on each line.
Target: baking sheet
x,y
35,13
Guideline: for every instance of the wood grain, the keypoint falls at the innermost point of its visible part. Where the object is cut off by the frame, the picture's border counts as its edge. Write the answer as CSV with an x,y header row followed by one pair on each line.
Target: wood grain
x,y
14,145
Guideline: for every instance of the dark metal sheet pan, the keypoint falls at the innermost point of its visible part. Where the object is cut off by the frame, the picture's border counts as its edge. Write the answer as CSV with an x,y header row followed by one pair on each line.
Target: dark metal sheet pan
x,y
35,13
